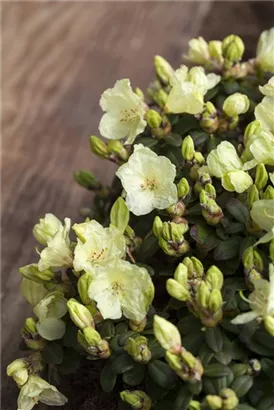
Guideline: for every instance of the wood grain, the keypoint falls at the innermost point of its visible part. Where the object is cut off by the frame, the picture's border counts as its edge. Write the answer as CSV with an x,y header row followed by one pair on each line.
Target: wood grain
x,y
58,57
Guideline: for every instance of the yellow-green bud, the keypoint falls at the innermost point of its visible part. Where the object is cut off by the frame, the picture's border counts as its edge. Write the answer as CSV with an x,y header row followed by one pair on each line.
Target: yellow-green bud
x,y
86,179
215,301
153,119
203,295
209,121
210,190
30,326
213,402
261,176
116,147
254,367
176,290
137,399
83,285
236,104
252,195
214,278
187,366
269,324
194,405
140,93
177,209
233,48
199,158
252,259
183,188
188,149
138,325
163,69
181,274
271,250
229,399
32,272
269,192
252,129
157,226
167,334
30,335
194,266
92,342
138,349
18,370
215,50
160,97
79,314
198,51
167,247
98,147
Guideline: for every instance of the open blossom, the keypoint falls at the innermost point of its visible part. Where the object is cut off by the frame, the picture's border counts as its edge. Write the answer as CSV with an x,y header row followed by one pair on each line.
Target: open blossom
x,y
265,50
38,390
124,112
122,288
58,253
188,90
97,246
262,213
223,162
148,180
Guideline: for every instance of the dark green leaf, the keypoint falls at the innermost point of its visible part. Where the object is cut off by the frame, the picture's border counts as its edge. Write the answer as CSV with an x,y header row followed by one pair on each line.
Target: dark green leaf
x,y
214,338
108,378
70,338
53,353
148,247
189,324
134,376
106,329
122,363
174,154
186,123
205,354
162,374
267,403
183,398
199,137
193,342
148,142
238,210
205,236
217,370
242,384
227,249
244,406
268,367
173,139
71,362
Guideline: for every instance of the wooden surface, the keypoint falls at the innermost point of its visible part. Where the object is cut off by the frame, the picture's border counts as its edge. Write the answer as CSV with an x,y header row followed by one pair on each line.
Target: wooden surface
x,y
58,57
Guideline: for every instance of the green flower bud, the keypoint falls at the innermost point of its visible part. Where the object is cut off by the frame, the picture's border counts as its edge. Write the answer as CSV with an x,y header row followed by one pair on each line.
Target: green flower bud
x,y
177,209
236,104
209,120
30,326
137,399
157,226
210,190
239,369
214,278
268,193
213,402
215,51
167,334
187,366
188,149
138,349
215,301
252,259
233,48
167,247
83,285
176,290
255,367
253,128
140,93
32,272
79,314
181,274
199,158
98,147
177,231
195,267
92,342
116,147
183,188
138,326
30,335
153,119
203,295
271,250
46,229
160,98
163,69
86,179
18,370
229,399
269,324
198,51
210,210
194,405
252,195
261,176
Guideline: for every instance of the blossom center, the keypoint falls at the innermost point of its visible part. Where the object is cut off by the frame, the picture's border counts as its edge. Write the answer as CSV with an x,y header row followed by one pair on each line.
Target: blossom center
x,y
116,287
95,255
149,183
129,114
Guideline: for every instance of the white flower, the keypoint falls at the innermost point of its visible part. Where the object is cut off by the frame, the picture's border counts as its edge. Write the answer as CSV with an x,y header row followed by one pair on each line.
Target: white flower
x,y
198,51
188,90
261,300
262,213
268,89
97,246
52,305
223,162
264,113
58,253
122,288
46,229
265,50
148,181
124,117
38,390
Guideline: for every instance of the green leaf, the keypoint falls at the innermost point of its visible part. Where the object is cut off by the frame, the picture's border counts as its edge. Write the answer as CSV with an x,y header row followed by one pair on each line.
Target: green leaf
x,y
205,354
134,376
70,338
242,384
147,142
227,249
186,123
244,406
217,370
199,137
174,155
268,367
157,352
108,378
53,353
238,210
205,236
193,342
119,214
71,362
162,374
174,140
214,339
122,363
267,403
183,399
149,247
189,324
106,329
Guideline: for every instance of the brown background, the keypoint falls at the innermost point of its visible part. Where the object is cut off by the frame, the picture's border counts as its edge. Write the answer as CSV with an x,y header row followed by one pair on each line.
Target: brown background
x,y
58,57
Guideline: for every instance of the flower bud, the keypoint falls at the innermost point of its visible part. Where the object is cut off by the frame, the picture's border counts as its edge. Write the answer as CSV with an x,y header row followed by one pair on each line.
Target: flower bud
x,y
252,195
167,247
46,229
188,149
215,301
183,188
116,147
261,176
210,210
194,405
157,226
236,104
140,93
269,324
177,209
83,285
18,369
176,290
198,51
199,158
79,314
32,272
252,259
163,69
181,274
268,193
214,278
253,128
160,98
92,342
233,48
153,119
265,51
30,326
167,334
210,190
254,367
209,120
138,326
229,399
203,295
187,366
137,399
213,402
86,179
98,147
138,349
194,266
215,51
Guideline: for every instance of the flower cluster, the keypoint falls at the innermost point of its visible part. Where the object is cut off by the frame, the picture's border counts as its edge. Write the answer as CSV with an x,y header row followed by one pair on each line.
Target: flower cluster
x,y
169,279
